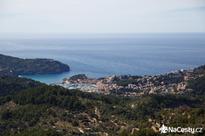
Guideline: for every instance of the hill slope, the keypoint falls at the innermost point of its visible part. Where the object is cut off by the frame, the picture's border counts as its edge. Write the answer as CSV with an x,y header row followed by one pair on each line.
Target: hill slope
x,y
12,66
52,110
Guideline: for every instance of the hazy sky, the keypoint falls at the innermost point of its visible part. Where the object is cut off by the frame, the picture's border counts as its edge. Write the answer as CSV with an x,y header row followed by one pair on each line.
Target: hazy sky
x,y
101,16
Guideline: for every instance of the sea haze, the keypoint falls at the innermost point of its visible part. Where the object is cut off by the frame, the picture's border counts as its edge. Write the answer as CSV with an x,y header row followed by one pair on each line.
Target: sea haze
x,y
104,55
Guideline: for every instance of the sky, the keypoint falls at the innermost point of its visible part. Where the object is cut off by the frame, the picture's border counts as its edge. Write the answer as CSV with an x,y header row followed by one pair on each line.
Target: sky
x,y
101,16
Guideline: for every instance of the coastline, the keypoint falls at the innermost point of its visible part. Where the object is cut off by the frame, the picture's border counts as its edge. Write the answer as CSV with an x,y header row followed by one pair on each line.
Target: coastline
x,y
175,82
13,66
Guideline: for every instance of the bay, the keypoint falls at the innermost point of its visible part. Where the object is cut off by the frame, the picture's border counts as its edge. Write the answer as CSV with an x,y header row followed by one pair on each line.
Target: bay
x,y
105,55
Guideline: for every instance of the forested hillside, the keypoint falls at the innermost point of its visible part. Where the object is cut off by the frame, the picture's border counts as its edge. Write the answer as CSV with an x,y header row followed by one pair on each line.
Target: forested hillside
x,y
12,66
41,110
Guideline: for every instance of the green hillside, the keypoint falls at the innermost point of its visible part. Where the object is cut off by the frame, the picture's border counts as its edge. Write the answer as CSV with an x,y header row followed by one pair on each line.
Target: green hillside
x,y
12,66
42,110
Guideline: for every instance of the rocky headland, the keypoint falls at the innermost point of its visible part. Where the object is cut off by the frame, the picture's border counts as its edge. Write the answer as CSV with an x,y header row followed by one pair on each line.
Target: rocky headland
x,y
12,66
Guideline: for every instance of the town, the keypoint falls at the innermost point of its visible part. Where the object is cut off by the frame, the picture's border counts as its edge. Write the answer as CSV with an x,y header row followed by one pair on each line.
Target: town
x,y
171,83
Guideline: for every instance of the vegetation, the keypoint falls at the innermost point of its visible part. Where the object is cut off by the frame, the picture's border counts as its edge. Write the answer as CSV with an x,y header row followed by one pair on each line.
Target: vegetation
x,y
11,66
79,76
37,109
15,84
198,85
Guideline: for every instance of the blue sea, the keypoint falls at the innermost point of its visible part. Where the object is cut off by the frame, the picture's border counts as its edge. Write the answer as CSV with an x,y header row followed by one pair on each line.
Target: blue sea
x,y
104,55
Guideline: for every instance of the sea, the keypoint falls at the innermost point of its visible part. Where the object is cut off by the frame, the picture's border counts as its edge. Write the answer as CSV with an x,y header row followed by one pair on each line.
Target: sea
x,y
99,55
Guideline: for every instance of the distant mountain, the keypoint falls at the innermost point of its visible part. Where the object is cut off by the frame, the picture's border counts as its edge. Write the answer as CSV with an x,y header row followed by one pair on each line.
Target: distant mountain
x,y
12,66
